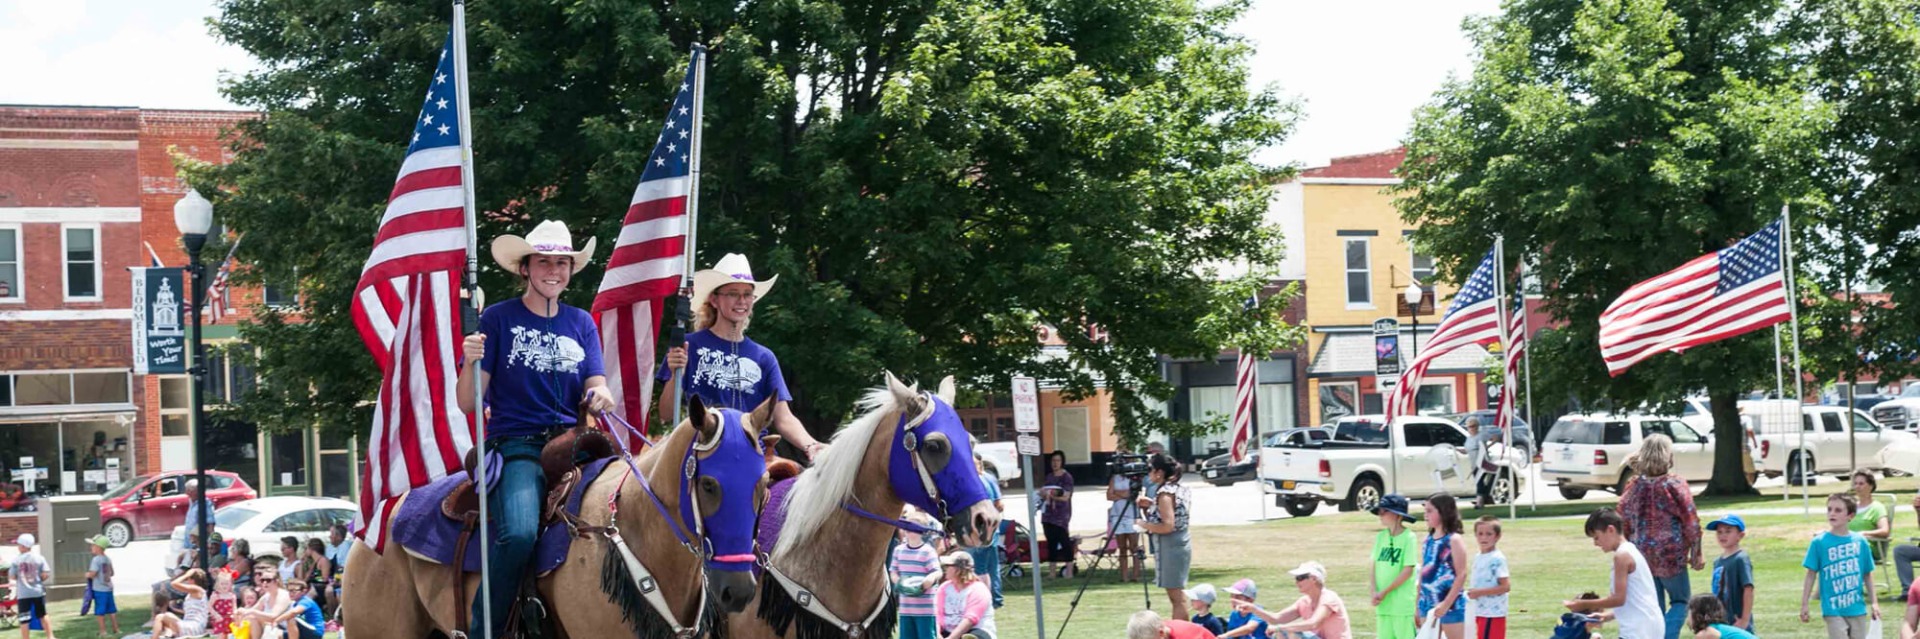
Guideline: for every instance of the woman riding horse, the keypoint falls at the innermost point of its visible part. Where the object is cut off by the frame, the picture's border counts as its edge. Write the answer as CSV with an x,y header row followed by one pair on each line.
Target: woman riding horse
x,y
732,371
550,366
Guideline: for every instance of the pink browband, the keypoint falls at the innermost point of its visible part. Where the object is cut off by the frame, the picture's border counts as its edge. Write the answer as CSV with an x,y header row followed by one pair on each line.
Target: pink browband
x,y
746,558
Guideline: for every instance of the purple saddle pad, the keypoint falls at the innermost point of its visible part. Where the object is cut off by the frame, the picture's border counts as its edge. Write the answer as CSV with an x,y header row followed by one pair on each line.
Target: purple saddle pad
x,y
772,518
423,530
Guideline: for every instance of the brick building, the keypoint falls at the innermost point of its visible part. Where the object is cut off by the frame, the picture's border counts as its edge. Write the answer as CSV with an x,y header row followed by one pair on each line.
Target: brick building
x,y
87,193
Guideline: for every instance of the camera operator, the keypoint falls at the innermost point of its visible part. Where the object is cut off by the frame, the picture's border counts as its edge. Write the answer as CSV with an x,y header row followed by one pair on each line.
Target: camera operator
x,y
1165,517
1120,517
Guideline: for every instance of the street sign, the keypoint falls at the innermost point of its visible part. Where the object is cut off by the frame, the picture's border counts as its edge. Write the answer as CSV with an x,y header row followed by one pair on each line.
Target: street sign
x,y
159,343
1386,348
1026,405
1027,444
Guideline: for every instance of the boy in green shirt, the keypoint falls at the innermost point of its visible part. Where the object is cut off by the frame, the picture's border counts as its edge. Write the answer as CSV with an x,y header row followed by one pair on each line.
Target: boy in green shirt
x,y
1393,562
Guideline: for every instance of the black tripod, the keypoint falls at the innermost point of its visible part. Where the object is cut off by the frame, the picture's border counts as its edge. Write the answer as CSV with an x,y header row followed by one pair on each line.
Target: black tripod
x,y
1139,555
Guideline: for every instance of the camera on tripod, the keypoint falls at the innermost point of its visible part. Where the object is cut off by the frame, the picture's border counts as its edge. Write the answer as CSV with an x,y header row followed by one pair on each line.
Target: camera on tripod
x,y
1130,465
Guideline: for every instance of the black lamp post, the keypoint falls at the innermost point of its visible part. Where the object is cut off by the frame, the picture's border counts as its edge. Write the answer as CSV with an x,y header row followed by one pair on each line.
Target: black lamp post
x,y
193,216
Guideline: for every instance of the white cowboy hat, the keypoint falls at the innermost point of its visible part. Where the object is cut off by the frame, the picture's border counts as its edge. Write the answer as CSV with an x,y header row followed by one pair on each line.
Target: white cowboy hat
x,y
549,238
731,269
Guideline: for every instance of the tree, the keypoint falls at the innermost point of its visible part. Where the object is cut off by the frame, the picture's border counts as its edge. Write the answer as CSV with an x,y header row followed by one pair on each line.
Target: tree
x,y
1610,141
932,178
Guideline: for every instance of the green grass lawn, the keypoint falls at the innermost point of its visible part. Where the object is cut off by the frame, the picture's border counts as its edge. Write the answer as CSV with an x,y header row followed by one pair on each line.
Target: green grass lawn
x,y
1551,559
68,624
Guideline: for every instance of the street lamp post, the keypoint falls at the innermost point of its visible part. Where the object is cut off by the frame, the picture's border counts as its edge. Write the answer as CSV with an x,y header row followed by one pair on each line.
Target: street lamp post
x,y
193,216
1413,293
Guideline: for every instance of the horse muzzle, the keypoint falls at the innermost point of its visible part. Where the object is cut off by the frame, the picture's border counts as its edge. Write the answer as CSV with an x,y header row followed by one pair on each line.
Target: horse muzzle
x,y
731,589
975,525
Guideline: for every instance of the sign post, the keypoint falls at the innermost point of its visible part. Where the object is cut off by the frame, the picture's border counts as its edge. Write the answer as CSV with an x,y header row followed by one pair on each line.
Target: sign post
x,y
1026,420
1386,372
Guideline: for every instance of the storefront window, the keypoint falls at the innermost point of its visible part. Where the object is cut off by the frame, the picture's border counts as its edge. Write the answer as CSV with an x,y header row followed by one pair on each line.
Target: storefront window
x,y
60,458
84,389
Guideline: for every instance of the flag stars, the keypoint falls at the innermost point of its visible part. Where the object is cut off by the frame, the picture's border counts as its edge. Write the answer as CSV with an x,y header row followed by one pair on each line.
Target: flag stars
x,y
440,104
683,110
659,162
671,147
443,129
439,78
683,134
428,118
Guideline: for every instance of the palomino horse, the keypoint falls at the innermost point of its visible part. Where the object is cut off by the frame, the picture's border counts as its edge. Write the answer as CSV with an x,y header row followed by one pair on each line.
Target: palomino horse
x,y
826,576
631,569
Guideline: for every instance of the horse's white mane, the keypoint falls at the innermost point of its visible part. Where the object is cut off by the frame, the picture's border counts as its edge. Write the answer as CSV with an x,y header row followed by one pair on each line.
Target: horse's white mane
x,y
818,493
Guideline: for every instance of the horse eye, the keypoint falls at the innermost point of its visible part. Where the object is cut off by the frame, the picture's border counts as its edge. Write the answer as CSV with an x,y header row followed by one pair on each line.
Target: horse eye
x,y
710,496
935,452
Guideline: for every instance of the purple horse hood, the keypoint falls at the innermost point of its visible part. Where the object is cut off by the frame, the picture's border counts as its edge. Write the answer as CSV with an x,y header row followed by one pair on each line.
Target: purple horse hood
x,y
956,485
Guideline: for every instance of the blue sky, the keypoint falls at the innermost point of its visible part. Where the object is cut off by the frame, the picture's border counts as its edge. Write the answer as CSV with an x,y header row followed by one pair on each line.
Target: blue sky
x,y
1361,66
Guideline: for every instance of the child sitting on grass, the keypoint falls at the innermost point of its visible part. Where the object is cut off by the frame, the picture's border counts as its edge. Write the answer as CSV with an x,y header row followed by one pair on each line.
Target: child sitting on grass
x,y
1200,599
1708,619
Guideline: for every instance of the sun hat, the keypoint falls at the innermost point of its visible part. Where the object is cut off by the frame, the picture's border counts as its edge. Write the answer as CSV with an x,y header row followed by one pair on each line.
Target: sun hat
x,y
1244,588
102,541
548,238
731,269
1729,520
1311,568
1395,503
1203,593
25,539
957,558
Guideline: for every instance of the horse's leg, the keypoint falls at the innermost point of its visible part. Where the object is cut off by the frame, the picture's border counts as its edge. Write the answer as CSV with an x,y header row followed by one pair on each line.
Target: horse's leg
x,y
378,593
434,588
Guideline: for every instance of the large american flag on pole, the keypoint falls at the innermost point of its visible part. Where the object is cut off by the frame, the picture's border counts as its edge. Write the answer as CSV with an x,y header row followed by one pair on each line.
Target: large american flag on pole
x,y
1244,398
1729,292
1509,404
407,308
1473,317
648,262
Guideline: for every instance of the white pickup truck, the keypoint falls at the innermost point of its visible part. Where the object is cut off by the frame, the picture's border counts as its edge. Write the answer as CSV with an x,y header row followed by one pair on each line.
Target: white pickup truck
x,y
1818,442
1359,464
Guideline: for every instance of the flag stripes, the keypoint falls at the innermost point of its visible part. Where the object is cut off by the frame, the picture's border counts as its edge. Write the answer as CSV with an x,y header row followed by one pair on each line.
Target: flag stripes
x,y
1723,294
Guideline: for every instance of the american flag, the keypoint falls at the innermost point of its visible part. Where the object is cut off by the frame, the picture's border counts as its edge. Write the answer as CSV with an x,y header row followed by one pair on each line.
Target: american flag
x,y
1472,318
217,301
1246,380
1733,291
1509,404
407,309
649,259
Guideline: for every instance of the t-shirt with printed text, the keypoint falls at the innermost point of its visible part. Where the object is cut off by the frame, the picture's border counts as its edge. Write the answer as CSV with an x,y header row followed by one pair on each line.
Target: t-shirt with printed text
x,y
726,374
1842,563
1393,554
537,367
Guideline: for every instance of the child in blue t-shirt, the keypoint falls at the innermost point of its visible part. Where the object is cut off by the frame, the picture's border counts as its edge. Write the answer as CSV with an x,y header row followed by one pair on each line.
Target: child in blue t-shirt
x,y
1200,600
1244,624
303,619
1842,563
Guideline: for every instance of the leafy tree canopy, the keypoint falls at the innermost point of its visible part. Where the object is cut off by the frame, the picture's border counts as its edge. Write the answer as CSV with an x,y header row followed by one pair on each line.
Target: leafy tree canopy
x,y
931,178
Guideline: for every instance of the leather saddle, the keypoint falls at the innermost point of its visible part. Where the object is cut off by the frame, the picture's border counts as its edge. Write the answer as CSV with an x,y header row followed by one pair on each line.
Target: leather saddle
x,y
560,461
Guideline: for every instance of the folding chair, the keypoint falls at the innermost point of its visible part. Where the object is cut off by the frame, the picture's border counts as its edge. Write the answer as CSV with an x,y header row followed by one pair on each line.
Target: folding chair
x,y
1883,548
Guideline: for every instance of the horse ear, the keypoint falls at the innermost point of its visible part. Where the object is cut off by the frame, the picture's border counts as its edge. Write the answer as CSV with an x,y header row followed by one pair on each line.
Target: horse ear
x,y
946,391
762,415
901,392
703,421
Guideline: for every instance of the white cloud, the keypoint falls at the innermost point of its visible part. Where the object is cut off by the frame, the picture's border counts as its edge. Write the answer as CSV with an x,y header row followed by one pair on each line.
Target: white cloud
x,y
119,53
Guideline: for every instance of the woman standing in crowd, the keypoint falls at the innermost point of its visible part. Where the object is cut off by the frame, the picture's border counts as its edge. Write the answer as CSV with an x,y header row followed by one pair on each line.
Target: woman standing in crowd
x,y
728,370
1057,513
1121,512
540,362
1164,516
1662,523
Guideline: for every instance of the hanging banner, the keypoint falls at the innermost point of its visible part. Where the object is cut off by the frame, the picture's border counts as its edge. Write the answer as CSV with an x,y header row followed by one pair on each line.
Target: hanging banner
x,y
1386,350
159,339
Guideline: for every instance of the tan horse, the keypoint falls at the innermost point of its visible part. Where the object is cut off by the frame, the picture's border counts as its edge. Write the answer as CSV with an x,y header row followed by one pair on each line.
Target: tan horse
x,y
840,556
397,594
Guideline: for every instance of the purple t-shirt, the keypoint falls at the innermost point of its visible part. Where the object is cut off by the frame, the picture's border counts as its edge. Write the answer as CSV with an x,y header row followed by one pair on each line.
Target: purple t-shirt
x,y
729,375
537,367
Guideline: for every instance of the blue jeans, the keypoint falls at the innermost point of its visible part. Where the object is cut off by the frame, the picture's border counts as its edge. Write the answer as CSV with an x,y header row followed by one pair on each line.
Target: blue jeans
x,y
514,512
1672,593
986,561
918,627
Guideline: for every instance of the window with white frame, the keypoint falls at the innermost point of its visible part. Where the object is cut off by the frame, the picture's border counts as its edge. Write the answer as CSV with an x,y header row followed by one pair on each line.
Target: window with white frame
x,y
10,249
1421,266
1359,273
80,253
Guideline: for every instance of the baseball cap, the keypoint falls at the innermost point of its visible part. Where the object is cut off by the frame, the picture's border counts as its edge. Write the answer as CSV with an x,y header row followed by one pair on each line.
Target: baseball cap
x,y
1244,588
1203,593
25,539
102,541
1729,520
957,558
1312,568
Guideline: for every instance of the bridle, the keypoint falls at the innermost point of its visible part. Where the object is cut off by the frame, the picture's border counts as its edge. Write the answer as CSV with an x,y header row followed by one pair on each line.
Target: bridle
x,y
923,494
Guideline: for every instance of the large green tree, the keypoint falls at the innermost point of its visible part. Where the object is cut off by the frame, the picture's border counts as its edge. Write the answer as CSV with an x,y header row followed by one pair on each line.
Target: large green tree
x,y
932,179
1609,141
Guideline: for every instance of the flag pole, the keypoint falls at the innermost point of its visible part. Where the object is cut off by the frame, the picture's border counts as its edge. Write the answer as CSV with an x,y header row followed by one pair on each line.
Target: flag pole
x,y
1780,391
1793,310
1526,363
474,301
1502,307
693,200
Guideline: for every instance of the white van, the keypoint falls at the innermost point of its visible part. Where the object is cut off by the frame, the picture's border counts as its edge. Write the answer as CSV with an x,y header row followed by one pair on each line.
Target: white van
x,y
1589,452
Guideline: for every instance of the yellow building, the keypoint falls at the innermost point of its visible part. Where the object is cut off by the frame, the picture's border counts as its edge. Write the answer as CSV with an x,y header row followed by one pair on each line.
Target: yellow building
x,y
1347,241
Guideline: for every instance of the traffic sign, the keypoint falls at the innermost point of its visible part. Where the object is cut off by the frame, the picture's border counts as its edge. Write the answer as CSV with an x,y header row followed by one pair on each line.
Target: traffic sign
x,y
1026,405
1027,444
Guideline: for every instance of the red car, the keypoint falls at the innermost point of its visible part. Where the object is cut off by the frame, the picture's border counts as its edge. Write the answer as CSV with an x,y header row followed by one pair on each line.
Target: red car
x,y
150,506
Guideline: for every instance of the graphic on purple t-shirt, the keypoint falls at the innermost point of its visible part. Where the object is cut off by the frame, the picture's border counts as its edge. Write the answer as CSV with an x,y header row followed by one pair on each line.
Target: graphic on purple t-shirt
x,y
537,367
729,375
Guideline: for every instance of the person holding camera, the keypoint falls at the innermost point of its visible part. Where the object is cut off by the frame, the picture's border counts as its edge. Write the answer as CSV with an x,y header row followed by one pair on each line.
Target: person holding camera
x,y
1164,516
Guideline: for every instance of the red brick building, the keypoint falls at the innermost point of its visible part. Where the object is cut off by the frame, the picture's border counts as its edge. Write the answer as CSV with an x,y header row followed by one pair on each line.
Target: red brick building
x,y
87,193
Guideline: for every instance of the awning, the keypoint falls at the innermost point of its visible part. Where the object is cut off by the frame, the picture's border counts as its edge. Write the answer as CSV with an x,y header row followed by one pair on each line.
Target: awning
x,y
1350,354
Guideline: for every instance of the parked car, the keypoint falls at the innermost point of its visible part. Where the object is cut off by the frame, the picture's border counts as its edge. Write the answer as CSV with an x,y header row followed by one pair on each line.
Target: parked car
x,y
148,506
1002,460
1220,472
262,522
1586,452
1825,440
1359,464
1901,412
